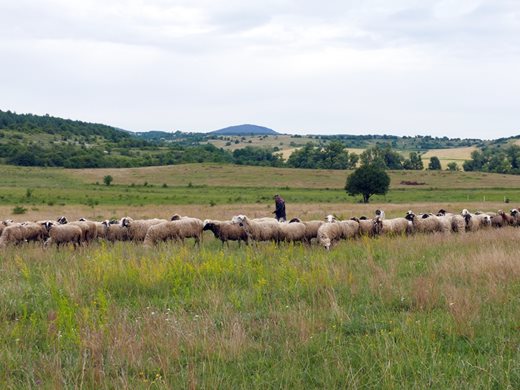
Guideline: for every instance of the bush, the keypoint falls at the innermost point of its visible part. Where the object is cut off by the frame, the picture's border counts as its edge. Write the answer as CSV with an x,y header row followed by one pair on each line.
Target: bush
x,y
19,210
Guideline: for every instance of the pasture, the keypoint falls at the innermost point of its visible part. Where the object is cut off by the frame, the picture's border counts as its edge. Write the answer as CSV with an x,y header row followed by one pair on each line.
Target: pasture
x,y
439,311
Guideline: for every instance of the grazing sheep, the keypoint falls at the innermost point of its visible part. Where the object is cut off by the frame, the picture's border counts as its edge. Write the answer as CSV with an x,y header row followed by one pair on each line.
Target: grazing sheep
x,y
5,223
114,231
393,226
226,231
516,217
331,232
366,226
311,230
502,219
12,234
98,226
476,222
34,231
427,223
22,232
138,228
266,230
490,213
265,219
88,229
457,221
175,230
60,234
293,231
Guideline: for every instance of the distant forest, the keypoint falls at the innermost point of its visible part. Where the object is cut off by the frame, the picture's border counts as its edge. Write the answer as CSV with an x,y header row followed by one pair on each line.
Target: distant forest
x,y
32,140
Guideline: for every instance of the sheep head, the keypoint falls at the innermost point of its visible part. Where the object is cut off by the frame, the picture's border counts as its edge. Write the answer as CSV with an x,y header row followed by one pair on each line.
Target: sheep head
x,y
208,225
410,216
126,221
62,220
47,225
331,218
441,213
239,219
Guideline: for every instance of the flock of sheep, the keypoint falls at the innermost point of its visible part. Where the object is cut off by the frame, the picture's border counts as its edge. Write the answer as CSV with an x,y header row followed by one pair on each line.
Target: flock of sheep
x,y
240,228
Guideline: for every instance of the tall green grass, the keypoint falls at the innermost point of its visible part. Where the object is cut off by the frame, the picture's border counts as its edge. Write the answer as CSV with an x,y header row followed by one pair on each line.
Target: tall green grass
x,y
425,311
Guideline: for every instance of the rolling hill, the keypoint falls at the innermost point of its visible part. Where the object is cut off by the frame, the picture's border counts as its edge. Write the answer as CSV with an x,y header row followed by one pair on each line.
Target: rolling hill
x,y
244,130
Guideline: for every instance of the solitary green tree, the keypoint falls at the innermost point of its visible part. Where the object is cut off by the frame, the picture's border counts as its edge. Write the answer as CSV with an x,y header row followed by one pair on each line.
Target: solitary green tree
x,y
368,180
435,164
108,180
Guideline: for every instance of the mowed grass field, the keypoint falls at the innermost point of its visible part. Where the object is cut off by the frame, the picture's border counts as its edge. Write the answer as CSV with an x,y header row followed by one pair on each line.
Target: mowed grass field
x,y
426,311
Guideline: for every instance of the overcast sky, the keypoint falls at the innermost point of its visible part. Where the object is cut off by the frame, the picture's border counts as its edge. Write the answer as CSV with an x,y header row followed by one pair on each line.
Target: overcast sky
x,y
405,67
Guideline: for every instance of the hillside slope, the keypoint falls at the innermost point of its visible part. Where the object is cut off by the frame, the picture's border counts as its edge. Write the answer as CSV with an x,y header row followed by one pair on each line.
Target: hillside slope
x,y
244,130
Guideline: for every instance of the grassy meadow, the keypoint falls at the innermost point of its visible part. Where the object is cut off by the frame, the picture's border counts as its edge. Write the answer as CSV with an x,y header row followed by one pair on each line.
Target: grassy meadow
x,y
414,312
219,185
393,312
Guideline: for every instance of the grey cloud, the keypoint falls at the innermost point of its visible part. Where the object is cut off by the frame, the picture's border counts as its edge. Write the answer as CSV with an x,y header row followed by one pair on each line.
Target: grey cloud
x,y
334,66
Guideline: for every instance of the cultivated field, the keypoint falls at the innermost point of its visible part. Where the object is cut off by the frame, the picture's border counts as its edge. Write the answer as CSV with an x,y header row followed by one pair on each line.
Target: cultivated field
x,y
437,311
446,156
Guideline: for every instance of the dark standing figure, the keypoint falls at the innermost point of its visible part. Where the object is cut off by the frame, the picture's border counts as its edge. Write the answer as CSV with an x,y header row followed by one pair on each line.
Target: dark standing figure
x,y
280,208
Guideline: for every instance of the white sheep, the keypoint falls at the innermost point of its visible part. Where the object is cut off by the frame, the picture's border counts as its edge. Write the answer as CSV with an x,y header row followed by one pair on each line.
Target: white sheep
x,y
427,223
174,230
5,223
88,229
311,228
138,228
392,226
98,226
12,234
114,231
226,231
516,217
366,226
476,222
267,230
293,231
60,234
331,232
17,233
457,221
